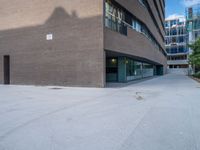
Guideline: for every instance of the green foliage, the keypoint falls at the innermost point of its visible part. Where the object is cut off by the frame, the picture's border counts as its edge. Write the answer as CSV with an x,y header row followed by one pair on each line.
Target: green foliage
x,y
195,56
197,75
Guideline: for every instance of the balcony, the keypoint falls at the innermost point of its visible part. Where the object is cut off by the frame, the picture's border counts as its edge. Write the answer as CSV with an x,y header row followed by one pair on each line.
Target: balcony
x,y
175,62
176,44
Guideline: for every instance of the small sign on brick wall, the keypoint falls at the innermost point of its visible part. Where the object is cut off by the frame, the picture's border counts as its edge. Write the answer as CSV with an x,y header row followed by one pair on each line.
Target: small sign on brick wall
x,y
49,37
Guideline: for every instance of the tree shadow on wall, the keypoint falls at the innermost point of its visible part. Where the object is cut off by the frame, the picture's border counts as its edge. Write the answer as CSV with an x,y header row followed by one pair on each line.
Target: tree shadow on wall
x,y
58,18
64,60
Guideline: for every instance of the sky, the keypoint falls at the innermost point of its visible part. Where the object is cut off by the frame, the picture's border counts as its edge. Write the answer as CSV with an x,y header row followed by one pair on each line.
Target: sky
x,y
177,7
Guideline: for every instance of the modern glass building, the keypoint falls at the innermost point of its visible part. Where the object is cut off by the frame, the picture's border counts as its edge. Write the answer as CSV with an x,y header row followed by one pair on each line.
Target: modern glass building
x,y
193,22
176,40
193,27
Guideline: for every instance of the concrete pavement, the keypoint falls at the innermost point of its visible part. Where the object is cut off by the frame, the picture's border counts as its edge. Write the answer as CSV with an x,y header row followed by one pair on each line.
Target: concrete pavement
x,y
159,114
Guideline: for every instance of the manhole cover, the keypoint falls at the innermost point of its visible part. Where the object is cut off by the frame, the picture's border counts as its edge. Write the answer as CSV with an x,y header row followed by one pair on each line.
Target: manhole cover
x,y
56,88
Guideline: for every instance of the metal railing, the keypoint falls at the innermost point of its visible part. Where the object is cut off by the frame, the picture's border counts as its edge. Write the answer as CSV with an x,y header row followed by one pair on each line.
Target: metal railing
x,y
119,25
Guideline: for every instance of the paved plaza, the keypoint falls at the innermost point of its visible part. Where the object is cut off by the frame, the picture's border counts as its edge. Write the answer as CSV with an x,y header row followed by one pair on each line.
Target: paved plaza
x,y
162,113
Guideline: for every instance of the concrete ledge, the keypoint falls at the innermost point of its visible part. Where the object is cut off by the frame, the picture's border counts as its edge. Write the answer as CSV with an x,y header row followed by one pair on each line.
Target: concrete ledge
x,y
121,85
196,79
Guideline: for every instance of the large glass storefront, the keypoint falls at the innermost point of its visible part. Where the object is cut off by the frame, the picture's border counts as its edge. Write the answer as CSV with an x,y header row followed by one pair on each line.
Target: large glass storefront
x,y
124,69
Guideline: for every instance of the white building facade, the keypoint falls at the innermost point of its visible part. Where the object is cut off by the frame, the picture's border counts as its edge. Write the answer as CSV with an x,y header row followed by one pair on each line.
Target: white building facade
x,y
176,40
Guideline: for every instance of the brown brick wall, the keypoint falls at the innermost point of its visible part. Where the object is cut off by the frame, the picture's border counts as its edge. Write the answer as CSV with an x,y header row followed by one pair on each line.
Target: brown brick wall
x,y
74,57
76,54
135,7
135,44
155,13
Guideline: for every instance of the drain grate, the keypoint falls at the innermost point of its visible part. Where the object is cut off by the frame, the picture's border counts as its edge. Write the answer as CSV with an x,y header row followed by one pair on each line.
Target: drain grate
x,y
55,88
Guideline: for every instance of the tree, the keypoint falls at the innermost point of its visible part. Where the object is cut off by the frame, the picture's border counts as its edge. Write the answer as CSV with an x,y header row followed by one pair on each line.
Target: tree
x,y
194,58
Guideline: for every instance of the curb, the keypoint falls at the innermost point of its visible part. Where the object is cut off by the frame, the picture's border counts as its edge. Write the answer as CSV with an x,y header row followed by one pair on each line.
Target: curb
x,y
196,79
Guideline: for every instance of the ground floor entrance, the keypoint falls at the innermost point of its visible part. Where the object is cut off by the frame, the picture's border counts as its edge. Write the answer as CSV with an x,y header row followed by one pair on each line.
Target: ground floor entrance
x,y
124,69
6,69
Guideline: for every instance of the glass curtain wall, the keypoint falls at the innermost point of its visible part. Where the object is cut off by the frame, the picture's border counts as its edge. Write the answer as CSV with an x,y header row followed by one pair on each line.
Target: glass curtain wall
x,y
115,18
132,70
147,70
138,70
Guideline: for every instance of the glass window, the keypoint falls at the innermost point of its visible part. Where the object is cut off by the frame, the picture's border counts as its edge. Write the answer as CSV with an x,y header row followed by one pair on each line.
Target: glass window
x,y
166,24
173,22
134,24
115,18
168,50
133,69
173,50
167,32
173,31
181,39
138,70
111,69
181,49
130,67
147,70
138,26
